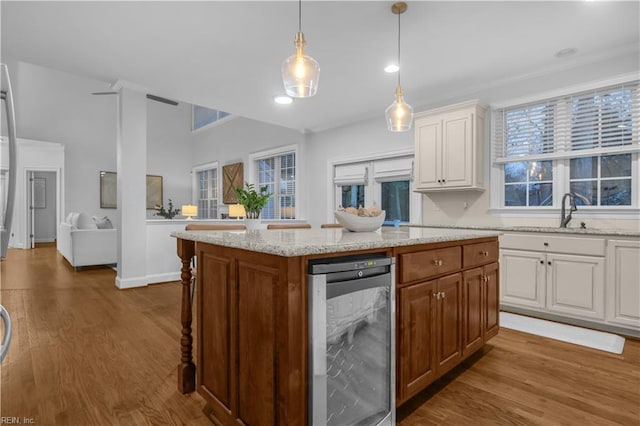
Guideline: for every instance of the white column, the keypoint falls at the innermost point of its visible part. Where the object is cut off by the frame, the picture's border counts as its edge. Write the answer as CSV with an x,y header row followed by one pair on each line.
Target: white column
x,y
132,188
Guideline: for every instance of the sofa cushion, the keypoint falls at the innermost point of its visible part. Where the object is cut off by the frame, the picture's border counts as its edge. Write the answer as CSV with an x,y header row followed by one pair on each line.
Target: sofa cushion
x,y
103,222
85,222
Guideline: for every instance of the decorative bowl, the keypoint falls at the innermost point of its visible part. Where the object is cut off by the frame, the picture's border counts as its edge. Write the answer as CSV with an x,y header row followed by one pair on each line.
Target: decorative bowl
x,y
355,223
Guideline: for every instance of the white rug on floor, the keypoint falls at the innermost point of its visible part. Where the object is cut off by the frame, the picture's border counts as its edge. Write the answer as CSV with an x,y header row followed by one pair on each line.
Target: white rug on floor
x,y
567,333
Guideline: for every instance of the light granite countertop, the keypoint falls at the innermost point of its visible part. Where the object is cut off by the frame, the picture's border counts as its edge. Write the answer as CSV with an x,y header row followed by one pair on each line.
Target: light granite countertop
x,y
542,229
302,242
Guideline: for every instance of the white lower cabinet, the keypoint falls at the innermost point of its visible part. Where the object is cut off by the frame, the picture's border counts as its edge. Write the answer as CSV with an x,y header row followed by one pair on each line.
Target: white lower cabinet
x,y
623,278
523,277
575,285
561,283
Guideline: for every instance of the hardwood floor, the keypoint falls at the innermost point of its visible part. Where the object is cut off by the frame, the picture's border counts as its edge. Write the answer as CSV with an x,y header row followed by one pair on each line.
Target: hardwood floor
x,y
86,353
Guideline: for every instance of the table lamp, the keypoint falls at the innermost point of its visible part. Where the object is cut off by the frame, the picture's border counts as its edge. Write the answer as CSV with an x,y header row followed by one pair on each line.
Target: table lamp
x,y
237,211
189,210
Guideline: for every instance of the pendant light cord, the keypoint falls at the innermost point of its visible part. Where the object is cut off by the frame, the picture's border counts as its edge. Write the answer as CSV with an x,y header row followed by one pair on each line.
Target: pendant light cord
x,y
299,16
399,49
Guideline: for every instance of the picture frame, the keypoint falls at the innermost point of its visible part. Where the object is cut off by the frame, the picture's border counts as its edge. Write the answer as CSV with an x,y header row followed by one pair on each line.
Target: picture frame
x,y
154,191
109,190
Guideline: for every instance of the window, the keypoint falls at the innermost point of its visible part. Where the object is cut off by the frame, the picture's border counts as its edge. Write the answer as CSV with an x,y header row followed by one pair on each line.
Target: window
x,y
278,173
585,143
206,178
202,116
386,182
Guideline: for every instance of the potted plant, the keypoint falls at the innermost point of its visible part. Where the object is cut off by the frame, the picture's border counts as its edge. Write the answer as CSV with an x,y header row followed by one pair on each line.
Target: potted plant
x,y
253,202
167,214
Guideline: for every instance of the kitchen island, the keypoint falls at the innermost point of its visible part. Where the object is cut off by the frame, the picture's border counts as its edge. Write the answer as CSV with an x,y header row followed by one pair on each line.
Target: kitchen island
x,y
252,311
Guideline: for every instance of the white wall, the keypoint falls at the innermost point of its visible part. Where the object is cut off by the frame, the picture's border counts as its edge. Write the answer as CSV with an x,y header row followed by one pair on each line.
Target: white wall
x,y
169,144
45,229
448,208
58,107
234,140
343,143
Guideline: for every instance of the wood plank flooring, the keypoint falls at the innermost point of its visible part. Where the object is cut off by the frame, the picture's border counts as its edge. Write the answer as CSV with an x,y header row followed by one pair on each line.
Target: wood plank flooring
x,y
86,353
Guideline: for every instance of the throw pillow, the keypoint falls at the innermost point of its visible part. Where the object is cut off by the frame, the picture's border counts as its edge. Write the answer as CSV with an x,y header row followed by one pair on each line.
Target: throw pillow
x,y
85,222
103,222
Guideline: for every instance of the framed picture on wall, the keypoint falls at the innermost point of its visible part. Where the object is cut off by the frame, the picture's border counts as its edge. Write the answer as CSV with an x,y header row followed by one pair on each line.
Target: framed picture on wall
x,y
154,191
109,191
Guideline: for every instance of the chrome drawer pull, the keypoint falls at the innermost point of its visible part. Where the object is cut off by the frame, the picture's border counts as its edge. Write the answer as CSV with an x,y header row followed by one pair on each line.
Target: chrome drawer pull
x,y
437,262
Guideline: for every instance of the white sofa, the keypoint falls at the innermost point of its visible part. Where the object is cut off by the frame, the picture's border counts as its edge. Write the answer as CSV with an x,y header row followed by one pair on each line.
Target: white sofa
x,y
83,244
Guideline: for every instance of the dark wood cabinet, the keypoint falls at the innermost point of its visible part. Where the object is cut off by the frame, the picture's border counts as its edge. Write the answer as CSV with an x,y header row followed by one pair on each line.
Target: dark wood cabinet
x,y
448,322
446,317
416,354
252,328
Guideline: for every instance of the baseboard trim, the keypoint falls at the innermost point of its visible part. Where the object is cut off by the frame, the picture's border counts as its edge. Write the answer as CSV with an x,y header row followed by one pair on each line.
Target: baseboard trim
x,y
131,282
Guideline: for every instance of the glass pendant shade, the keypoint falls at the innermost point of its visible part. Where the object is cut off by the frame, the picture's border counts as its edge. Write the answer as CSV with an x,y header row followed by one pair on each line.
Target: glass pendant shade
x,y
300,73
399,114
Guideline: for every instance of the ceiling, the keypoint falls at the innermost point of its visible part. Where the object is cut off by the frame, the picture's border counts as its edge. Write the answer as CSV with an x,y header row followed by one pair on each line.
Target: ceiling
x,y
227,55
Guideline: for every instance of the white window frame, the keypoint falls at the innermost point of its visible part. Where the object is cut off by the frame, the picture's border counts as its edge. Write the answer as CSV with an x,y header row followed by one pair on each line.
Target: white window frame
x,y
276,152
372,183
561,169
195,185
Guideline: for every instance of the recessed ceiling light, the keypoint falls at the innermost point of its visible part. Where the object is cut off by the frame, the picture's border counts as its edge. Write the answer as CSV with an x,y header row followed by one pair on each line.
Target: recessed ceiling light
x,y
569,51
283,100
391,68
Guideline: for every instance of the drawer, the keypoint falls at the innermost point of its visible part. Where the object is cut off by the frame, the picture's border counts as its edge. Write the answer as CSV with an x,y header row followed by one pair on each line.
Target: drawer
x,y
479,254
424,264
554,244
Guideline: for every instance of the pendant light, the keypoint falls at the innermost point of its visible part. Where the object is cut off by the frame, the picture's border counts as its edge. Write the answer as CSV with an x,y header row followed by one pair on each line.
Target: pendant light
x,y
300,73
399,114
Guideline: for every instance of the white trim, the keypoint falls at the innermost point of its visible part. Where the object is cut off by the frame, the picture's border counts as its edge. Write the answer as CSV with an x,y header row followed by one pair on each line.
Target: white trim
x,y
372,188
123,283
274,152
567,90
195,189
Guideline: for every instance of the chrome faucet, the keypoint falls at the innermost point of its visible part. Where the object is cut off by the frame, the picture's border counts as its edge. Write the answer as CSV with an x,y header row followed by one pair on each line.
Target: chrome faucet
x,y
564,218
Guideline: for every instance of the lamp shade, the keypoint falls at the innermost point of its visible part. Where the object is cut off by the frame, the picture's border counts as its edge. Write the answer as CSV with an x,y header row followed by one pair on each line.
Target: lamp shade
x,y
189,210
300,73
399,114
237,211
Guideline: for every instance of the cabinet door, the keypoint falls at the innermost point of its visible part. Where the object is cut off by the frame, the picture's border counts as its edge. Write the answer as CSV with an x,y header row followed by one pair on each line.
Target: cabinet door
x,y
491,306
449,322
575,285
415,356
623,290
523,278
472,322
457,146
428,153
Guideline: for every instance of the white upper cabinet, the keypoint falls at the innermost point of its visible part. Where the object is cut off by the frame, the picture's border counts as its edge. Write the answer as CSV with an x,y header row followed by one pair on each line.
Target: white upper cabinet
x,y
448,148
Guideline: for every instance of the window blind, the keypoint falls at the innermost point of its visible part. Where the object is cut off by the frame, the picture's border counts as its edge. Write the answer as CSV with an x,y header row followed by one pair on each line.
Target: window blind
x,y
595,122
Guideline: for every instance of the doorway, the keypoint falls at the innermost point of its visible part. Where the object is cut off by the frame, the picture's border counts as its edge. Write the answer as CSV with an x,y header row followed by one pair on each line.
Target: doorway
x,y
42,207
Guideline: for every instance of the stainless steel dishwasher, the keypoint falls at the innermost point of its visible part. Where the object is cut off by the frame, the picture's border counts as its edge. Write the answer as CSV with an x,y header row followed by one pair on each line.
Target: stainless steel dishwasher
x,y
352,340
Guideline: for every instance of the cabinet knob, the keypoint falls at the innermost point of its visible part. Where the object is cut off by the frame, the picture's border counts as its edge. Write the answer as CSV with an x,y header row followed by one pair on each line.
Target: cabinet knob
x,y
442,295
437,262
549,263
542,262
484,253
546,244
439,181
436,295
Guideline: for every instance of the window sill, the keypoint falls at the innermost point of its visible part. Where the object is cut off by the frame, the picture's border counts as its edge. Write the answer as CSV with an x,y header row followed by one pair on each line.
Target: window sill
x,y
584,212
